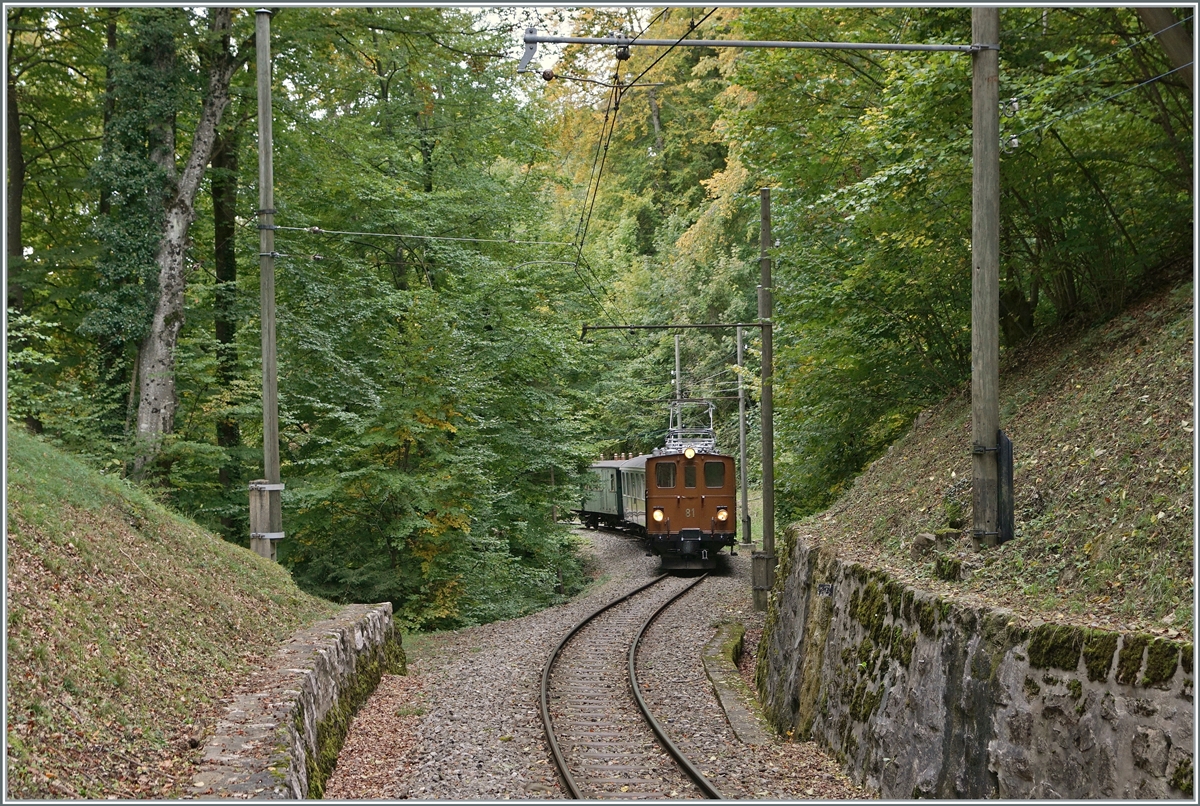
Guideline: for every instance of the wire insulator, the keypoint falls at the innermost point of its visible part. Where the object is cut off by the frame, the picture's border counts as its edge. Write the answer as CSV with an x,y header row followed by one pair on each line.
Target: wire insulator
x,y
548,74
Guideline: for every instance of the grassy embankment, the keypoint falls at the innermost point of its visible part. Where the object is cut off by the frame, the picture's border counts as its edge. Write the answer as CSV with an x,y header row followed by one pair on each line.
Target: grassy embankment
x,y
127,625
1102,424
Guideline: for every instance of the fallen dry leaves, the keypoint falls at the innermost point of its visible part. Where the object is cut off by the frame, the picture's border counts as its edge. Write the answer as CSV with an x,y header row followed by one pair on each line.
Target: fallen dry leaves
x,y
372,762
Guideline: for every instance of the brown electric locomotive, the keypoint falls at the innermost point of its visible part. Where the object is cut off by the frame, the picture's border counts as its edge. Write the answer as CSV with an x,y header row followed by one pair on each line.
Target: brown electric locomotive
x,y
681,499
690,502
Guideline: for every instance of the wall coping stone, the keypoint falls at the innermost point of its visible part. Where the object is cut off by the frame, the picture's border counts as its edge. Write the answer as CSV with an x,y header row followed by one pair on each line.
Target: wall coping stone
x,y
741,708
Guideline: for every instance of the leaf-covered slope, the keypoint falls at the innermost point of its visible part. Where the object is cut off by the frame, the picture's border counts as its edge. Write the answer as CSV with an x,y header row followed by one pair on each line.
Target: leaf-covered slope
x,y
126,626
1102,426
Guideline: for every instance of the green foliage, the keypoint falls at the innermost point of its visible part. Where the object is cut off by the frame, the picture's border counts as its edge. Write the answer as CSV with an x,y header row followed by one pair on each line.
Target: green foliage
x,y
671,234
436,406
133,174
424,384
873,154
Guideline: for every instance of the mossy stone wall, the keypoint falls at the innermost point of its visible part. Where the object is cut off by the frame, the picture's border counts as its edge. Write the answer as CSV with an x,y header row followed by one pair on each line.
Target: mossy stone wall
x,y
923,697
281,735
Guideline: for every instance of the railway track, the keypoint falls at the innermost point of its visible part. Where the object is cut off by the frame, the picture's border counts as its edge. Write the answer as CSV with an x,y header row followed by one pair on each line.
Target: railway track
x,y
604,740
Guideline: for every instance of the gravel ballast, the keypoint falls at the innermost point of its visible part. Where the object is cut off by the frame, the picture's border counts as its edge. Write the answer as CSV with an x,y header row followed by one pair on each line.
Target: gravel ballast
x,y
465,725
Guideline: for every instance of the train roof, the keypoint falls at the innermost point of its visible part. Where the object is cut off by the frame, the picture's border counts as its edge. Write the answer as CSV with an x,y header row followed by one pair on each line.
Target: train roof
x,y
639,462
636,463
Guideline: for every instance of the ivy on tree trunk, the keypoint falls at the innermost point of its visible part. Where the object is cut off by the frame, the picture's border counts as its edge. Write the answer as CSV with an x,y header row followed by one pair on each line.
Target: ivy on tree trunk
x,y
156,361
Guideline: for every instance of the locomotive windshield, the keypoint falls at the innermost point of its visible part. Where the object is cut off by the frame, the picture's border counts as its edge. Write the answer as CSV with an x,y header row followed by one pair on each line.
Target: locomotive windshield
x,y
689,475
664,475
714,474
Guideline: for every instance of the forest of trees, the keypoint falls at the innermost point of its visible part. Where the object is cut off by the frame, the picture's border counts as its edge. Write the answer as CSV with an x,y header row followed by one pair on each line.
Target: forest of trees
x,y
446,227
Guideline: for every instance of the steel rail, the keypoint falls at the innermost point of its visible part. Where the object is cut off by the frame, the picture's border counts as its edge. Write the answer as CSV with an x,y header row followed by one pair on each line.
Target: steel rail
x,y
547,720
676,753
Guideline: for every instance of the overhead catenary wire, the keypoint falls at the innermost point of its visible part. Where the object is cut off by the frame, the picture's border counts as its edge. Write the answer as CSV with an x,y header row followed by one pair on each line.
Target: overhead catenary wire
x,y
650,24
593,190
1052,81
322,231
608,128
600,157
692,26
1080,110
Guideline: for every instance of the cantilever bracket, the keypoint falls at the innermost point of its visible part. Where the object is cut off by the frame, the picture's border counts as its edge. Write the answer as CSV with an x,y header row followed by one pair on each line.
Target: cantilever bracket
x,y
530,51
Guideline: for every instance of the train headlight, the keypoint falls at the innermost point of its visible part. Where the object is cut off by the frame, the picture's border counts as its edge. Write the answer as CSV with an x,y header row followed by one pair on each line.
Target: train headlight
x,y
722,514
689,453
658,515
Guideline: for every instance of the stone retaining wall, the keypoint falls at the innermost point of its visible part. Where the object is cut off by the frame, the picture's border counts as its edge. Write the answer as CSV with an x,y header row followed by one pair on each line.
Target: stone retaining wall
x,y
922,697
283,730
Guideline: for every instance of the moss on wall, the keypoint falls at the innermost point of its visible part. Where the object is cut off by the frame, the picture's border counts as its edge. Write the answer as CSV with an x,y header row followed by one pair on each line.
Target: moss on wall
x,y
1182,777
874,624
1129,662
927,615
331,731
1161,659
734,644
1099,647
1055,646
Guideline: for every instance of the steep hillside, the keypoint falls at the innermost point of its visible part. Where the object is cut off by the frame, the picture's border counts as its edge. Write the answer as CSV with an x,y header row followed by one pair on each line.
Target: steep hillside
x,y
126,626
1102,424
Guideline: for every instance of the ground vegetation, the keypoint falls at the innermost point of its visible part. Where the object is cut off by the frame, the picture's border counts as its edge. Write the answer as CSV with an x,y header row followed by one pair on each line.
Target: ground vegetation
x,y
126,627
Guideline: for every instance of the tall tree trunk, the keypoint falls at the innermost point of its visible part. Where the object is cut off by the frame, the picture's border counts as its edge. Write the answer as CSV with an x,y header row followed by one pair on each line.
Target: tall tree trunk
x,y
1175,39
1183,156
224,201
16,194
15,191
658,140
110,98
156,364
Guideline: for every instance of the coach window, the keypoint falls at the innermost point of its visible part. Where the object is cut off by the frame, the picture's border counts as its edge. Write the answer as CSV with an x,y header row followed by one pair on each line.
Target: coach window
x,y
714,474
612,483
664,475
689,475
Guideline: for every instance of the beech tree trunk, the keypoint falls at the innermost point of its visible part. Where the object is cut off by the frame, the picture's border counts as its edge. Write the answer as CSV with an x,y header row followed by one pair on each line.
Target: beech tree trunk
x,y
16,195
156,363
1174,38
224,201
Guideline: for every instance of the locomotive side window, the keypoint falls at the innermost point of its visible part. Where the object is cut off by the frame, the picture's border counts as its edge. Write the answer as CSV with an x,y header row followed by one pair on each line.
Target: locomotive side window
x,y
689,475
664,475
714,474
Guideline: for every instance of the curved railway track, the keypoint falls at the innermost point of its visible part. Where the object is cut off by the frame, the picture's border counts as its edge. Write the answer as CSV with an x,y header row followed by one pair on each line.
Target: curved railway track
x,y
603,738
